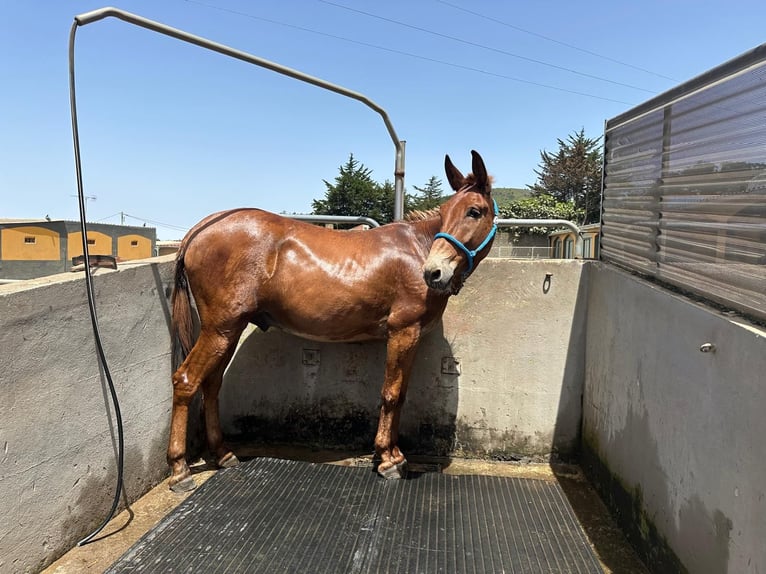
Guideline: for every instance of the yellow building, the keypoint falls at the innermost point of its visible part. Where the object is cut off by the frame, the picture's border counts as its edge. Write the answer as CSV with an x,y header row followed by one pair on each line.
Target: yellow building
x,y
562,242
32,248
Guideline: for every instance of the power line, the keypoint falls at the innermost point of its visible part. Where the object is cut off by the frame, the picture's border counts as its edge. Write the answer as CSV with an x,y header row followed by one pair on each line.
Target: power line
x,y
549,39
155,223
108,217
484,47
408,54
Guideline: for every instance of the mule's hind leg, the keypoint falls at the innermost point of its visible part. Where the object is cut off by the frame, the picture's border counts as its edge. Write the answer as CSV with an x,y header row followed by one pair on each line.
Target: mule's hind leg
x,y
400,355
211,386
205,358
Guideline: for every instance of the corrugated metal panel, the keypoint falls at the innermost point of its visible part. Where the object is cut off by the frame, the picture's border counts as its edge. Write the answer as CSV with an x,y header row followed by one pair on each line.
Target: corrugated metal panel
x,y
271,515
685,186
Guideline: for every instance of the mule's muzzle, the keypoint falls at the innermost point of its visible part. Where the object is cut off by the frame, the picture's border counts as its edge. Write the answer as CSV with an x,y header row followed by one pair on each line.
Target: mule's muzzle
x,y
438,275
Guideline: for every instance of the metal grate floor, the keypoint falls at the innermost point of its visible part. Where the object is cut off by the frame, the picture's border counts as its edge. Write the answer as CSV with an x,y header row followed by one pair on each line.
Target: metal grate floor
x,y
271,515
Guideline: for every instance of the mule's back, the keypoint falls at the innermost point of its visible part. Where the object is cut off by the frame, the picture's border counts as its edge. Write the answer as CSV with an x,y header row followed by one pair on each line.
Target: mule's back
x,y
312,281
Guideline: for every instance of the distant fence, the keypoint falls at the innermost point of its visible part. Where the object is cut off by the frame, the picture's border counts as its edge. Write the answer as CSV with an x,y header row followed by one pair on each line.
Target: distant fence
x,y
519,252
684,197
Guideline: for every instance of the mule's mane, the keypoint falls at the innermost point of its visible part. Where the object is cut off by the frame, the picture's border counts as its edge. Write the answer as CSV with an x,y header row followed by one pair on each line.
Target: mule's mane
x,y
418,215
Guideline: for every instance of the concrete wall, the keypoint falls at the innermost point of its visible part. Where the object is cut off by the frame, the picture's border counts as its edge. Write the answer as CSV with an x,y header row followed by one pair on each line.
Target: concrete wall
x,y
57,459
673,436
500,376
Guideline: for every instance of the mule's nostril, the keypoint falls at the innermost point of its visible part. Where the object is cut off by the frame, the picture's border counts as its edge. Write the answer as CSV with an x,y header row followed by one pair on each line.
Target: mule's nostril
x,y
437,275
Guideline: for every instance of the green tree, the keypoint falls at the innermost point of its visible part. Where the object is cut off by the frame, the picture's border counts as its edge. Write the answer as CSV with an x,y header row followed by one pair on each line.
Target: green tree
x,y
384,205
428,197
356,193
573,174
542,206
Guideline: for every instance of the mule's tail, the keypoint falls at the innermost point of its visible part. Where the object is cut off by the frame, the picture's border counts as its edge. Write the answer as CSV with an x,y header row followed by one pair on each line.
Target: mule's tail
x,y
182,322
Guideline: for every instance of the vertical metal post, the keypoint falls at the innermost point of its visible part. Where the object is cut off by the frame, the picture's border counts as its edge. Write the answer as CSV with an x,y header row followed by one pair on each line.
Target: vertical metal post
x,y
603,194
658,192
399,183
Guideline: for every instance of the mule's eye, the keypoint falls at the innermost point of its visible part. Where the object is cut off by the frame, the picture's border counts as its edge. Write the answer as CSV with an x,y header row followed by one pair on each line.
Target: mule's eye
x,y
474,213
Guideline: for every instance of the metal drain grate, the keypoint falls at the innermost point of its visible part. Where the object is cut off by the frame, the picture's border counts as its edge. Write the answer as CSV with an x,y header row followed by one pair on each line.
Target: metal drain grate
x,y
270,515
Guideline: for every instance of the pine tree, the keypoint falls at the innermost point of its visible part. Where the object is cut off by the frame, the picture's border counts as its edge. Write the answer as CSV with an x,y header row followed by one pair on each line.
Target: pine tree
x,y
429,197
382,208
356,193
573,174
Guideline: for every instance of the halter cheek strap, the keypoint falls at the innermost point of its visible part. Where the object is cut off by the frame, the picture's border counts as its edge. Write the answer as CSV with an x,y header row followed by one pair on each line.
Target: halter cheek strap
x,y
471,253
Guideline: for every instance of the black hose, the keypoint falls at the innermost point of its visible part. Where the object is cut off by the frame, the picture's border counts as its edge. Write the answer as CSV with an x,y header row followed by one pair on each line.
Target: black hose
x,y
91,299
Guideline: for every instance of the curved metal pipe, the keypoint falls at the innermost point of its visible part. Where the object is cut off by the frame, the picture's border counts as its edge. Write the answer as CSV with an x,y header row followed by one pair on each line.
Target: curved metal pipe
x,y
110,12
100,14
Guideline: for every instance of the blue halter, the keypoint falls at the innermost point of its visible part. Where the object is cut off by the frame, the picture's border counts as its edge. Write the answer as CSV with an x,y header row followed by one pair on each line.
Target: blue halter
x,y
470,254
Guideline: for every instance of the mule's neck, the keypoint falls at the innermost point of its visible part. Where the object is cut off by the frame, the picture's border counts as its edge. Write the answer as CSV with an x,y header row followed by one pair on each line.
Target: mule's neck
x,y
427,228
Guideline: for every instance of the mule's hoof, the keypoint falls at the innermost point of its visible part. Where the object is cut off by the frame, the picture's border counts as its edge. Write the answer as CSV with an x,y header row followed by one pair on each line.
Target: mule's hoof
x,y
183,485
395,472
228,461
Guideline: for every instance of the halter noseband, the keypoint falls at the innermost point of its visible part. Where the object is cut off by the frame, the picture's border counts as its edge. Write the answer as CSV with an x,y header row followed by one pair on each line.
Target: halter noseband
x,y
471,253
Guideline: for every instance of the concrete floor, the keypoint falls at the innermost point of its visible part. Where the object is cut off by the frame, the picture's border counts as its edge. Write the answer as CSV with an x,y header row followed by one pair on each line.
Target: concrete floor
x,y
125,529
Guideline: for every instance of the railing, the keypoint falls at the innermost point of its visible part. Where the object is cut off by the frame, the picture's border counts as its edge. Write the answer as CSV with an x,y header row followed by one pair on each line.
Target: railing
x,y
547,223
368,221
521,252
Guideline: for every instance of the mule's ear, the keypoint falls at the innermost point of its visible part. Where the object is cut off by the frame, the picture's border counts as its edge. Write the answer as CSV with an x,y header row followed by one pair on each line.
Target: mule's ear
x,y
454,176
482,181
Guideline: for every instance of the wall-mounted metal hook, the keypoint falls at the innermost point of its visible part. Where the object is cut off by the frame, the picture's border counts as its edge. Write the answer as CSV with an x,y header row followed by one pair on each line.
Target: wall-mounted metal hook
x,y
547,282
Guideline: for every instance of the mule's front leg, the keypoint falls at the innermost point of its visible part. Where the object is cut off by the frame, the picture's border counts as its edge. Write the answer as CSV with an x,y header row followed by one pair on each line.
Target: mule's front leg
x,y
400,355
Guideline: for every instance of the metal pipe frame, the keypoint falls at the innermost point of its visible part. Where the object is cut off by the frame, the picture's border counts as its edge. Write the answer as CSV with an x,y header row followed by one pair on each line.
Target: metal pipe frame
x,y
336,219
110,12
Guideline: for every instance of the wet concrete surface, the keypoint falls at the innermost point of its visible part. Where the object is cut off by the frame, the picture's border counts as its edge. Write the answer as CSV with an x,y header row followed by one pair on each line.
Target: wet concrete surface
x,y
608,542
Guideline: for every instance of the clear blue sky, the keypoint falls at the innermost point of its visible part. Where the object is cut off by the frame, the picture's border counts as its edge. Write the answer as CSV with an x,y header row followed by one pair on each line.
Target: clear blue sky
x,y
171,132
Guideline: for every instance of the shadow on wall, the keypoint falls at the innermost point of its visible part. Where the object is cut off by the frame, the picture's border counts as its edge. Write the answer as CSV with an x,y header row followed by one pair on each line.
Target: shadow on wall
x,y
164,289
567,429
281,389
517,329
658,440
708,530
567,441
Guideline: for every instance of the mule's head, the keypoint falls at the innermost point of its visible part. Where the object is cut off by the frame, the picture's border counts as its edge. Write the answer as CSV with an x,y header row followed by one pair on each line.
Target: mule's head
x,y
467,231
